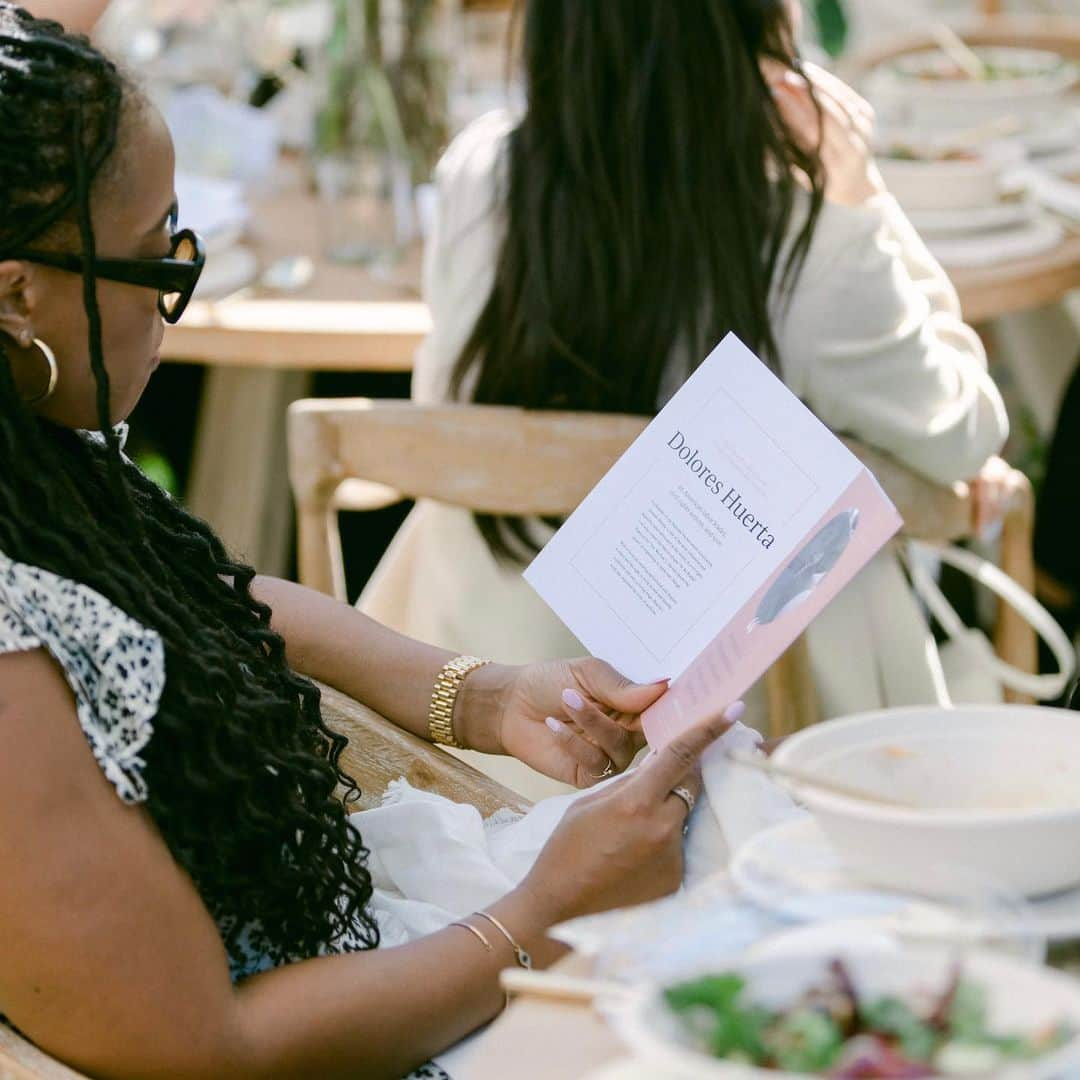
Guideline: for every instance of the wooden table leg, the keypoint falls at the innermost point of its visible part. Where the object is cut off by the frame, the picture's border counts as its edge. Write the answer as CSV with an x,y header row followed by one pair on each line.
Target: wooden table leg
x,y
239,478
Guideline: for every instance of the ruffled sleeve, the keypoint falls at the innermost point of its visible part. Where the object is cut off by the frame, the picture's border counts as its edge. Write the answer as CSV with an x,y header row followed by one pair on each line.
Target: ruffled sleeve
x,y
115,666
872,339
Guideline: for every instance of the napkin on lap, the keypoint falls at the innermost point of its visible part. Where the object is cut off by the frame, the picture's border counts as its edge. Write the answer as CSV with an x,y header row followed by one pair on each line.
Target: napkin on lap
x,y
434,861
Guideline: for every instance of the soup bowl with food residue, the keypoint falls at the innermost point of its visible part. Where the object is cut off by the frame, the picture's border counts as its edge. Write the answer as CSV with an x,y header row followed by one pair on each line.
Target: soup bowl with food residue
x,y
930,90
929,176
994,789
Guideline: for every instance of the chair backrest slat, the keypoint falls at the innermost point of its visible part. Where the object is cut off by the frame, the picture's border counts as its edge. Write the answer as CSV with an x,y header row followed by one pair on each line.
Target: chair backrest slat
x,y
494,459
502,460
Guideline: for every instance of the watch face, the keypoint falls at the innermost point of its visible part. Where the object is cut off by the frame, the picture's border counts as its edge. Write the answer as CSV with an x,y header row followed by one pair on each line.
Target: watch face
x,y
807,568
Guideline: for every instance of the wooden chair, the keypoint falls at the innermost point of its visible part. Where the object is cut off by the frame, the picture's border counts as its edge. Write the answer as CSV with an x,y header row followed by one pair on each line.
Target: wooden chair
x,y
378,752
364,454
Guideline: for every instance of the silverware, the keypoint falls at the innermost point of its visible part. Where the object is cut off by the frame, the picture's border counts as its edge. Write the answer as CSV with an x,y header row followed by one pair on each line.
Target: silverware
x,y
805,779
958,51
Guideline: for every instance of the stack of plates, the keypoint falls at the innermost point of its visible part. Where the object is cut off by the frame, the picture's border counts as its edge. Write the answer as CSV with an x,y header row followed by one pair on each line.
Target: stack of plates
x,y
973,200
990,218
985,236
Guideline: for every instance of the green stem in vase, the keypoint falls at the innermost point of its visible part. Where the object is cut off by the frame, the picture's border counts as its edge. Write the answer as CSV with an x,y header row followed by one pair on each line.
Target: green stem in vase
x,y
832,25
334,122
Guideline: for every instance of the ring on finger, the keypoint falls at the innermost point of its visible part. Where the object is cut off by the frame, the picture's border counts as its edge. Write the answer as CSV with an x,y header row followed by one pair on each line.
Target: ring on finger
x,y
609,769
687,797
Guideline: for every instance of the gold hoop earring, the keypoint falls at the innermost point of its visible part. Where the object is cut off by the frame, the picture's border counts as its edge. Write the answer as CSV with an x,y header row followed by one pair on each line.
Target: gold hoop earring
x,y
54,374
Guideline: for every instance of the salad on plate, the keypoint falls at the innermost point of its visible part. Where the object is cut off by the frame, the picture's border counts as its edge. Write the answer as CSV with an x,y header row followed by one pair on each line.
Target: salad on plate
x,y
833,1031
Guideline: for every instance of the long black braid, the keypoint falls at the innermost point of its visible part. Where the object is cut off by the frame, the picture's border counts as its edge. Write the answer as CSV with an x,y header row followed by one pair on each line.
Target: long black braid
x,y
241,770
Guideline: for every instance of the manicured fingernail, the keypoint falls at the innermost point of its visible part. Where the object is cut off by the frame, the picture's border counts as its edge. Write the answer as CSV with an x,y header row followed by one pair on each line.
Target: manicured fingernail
x,y
734,711
573,700
661,682
555,725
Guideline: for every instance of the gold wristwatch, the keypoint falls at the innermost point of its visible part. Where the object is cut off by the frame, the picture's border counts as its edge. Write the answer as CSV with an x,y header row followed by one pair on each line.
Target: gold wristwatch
x,y
444,695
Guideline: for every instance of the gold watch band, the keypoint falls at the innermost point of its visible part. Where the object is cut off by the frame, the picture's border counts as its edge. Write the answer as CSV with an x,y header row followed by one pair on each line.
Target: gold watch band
x,y
444,695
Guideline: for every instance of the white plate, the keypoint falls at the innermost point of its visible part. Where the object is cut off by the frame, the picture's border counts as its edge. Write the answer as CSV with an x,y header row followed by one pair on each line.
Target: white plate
x,y
976,219
794,871
1056,134
1021,998
1004,245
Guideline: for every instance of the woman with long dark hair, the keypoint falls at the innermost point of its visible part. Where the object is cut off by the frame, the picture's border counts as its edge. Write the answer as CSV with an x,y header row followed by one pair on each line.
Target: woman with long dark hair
x,y
183,895
677,173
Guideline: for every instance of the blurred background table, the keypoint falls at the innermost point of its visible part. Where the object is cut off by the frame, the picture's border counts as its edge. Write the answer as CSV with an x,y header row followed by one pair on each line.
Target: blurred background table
x,y
1020,285
261,348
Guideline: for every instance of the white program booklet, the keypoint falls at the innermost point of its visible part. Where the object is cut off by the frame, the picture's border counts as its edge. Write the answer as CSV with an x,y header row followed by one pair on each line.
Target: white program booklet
x,y
728,524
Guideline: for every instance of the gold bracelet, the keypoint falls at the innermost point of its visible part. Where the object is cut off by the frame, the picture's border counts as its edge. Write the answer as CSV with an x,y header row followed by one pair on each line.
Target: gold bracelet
x,y
520,955
482,938
443,697
472,930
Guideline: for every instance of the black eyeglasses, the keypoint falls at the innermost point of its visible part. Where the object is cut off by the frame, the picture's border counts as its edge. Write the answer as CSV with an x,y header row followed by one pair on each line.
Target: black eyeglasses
x,y
174,277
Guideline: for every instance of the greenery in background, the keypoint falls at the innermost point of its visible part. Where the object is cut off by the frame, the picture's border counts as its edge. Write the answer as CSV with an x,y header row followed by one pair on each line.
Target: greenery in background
x,y
334,123
832,25
398,103
159,469
1029,449
421,80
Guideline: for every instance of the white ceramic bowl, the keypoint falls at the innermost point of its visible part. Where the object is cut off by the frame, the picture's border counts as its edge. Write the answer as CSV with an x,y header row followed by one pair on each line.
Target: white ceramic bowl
x,y
951,185
1022,999
903,95
996,791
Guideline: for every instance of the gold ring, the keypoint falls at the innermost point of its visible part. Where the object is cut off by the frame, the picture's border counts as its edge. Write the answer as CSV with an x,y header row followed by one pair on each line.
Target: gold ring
x,y
686,796
609,769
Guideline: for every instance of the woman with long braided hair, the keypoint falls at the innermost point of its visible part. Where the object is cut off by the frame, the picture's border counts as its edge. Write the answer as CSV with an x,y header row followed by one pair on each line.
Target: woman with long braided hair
x,y
213,919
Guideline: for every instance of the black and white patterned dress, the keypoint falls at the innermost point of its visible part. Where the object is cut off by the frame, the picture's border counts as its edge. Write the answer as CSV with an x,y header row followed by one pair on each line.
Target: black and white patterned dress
x,y
116,669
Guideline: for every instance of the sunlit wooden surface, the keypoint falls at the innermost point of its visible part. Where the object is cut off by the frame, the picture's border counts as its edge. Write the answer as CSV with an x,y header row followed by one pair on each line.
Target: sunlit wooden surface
x,y
261,348
347,318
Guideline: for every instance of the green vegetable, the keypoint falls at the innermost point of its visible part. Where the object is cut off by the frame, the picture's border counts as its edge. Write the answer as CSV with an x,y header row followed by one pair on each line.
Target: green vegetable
x,y
812,1035
804,1041
712,1011
967,1013
716,991
893,1017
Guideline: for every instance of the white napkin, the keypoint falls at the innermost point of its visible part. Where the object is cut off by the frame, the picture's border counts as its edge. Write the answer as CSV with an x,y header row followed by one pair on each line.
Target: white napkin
x,y
737,803
434,861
